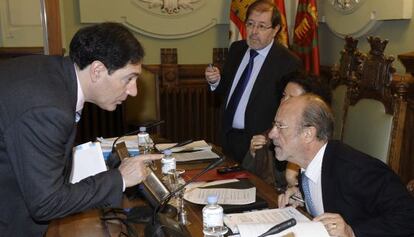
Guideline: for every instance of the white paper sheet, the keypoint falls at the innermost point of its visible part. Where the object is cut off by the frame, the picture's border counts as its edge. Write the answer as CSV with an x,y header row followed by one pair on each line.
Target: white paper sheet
x,y
196,145
301,229
226,196
88,160
270,216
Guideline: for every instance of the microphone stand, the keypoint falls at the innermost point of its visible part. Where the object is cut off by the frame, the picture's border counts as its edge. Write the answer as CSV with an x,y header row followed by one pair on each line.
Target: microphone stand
x,y
113,160
165,200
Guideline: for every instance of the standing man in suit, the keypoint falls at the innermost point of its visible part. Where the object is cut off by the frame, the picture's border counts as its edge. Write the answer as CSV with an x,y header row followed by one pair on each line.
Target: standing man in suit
x,y
41,98
251,79
351,193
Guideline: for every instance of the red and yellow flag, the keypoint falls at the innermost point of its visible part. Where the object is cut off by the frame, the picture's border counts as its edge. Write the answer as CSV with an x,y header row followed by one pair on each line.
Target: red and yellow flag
x,y
305,38
238,11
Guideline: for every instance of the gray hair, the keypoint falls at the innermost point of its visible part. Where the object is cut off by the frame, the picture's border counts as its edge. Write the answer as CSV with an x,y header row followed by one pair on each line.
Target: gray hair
x,y
319,115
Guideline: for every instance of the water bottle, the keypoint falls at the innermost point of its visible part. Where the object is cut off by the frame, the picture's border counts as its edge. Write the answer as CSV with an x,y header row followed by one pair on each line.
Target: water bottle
x,y
168,163
145,143
213,218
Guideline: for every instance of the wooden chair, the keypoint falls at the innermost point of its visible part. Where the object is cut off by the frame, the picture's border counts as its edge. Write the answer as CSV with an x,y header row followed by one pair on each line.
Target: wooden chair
x,y
341,79
375,116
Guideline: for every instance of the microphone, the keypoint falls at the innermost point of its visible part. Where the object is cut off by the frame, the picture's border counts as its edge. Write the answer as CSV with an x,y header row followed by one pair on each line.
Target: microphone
x,y
114,160
163,225
279,227
205,170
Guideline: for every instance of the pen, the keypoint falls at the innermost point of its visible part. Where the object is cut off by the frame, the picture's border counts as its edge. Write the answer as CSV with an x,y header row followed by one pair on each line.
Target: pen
x,y
279,227
296,198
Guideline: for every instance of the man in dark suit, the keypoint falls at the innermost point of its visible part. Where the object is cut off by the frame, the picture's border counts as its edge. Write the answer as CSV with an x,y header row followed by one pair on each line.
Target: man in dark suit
x,y
251,79
351,193
41,98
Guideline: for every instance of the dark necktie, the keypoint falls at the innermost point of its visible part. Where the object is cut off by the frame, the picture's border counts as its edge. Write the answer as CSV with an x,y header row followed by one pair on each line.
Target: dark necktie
x,y
238,92
308,198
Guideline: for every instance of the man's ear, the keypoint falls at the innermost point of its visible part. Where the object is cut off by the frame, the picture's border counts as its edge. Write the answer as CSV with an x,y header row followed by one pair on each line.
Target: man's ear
x,y
97,70
309,134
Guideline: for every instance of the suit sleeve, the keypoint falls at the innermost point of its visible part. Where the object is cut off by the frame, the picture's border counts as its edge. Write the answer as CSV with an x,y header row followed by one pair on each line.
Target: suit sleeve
x,y
381,193
36,145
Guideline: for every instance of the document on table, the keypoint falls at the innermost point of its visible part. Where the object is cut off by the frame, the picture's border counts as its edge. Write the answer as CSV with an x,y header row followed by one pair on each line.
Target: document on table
x,y
226,196
198,150
196,145
257,222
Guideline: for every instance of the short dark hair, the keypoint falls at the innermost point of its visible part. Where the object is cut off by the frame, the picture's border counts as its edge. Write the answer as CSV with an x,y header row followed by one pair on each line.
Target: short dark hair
x,y
309,83
265,6
319,115
110,43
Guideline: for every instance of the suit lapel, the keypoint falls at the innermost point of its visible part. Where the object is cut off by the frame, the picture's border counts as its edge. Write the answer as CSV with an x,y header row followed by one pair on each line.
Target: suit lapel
x,y
239,57
327,181
265,72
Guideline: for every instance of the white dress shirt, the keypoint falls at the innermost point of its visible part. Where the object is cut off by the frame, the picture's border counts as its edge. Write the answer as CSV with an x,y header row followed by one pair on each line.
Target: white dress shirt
x,y
313,172
238,121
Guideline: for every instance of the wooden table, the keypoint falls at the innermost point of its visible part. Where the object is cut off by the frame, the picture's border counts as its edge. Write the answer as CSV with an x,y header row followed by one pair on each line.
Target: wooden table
x,y
88,223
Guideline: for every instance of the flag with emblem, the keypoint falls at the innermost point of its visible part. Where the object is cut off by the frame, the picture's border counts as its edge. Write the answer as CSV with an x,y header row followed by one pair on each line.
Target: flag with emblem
x,y
238,9
305,37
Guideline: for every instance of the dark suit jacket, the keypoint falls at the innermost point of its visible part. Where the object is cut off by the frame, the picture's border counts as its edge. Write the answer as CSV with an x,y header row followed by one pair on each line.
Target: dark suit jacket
x,y
37,128
267,90
366,192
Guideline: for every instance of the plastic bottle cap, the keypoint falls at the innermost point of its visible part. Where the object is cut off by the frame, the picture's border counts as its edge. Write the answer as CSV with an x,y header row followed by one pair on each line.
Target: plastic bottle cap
x,y
142,129
212,199
167,152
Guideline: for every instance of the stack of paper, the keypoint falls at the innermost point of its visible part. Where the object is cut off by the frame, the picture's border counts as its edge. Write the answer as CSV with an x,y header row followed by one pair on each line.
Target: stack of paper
x,y
198,150
257,222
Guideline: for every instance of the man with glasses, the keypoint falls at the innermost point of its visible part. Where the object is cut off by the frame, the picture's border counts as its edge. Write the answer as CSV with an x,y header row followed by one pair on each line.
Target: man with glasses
x,y
351,193
251,79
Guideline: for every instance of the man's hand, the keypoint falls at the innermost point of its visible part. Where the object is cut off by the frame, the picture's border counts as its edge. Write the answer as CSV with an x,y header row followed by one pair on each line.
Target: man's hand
x,y
212,74
133,169
257,142
335,225
284,199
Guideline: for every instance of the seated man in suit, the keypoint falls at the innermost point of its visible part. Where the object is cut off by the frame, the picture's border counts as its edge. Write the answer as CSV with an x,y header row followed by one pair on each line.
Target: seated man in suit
x,y
41,99
260,159
351,193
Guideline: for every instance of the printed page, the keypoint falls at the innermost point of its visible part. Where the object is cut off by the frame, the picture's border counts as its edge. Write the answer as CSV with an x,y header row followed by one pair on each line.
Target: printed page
x,y
301,229
270,216
195,156
225,196
194,146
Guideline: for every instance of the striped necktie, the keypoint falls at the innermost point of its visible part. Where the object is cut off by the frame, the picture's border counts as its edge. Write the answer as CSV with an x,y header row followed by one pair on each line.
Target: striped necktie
x,y
238,91
78,115
306,192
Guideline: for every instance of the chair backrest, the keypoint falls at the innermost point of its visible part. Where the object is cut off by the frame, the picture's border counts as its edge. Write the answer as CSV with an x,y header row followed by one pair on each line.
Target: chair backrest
x,y
368,128
338,105
341,77
145,106
375,114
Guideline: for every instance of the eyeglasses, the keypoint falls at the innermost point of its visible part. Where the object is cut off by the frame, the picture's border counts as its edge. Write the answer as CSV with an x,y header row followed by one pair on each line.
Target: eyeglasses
x,y
261,27
279,126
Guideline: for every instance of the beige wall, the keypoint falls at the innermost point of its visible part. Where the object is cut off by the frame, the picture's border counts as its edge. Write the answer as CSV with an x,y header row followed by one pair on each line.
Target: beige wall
x,y
400,34
193,50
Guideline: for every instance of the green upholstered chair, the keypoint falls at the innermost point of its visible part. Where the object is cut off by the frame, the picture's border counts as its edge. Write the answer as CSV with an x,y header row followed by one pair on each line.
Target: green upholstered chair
x,y
342,74
375,115
338,105
368,128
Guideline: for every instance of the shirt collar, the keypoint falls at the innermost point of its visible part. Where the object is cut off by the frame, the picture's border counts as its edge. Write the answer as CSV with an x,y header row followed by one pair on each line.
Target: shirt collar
x,y
313,171
263,52
80,97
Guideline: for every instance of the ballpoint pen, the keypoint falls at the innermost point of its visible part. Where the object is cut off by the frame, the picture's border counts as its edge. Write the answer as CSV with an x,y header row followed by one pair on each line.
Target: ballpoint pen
x,y
279,227
296,198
